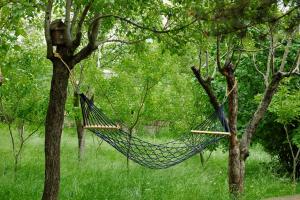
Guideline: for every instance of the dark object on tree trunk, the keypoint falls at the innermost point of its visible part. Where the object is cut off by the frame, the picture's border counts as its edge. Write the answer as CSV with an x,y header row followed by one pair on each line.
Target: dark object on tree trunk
x,y
58,32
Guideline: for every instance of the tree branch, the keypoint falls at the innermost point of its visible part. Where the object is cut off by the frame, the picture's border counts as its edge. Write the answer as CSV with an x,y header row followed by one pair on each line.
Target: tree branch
x,y
76,41
285,54
93,31
206,85
68,22
145,27
256,67
259,113
119,41
47,22
142,103
86,51
289,141
74,19
218,54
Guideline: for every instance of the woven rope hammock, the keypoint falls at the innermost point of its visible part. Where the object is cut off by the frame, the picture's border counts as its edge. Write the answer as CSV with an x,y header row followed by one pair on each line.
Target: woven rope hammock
x,y
156,156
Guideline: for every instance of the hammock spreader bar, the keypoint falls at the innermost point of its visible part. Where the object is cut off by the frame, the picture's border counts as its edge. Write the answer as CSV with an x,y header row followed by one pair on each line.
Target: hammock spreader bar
x,y
156,156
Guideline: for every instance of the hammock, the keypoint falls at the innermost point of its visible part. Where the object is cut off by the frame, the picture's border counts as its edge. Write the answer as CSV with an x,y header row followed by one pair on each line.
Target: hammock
x,y
156,156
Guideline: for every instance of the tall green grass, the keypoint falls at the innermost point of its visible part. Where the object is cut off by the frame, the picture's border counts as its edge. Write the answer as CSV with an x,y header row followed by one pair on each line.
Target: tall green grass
x,y
103,175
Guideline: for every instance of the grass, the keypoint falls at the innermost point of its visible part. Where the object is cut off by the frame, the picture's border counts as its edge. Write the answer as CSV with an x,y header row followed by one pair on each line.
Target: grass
x,y
103,175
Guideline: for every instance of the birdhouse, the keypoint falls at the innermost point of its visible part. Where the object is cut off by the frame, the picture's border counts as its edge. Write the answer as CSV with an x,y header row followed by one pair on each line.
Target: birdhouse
x,y
58,32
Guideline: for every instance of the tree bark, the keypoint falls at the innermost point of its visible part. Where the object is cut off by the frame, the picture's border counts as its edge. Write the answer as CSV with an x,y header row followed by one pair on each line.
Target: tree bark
x,y
53,129
79,129
206,85
235,181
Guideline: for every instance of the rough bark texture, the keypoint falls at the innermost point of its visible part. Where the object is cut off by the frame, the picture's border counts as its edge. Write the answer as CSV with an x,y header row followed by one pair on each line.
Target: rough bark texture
x,y
53,129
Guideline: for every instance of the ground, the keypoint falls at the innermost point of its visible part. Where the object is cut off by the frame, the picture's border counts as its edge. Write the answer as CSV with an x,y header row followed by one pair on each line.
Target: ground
x,y
103,174
293,197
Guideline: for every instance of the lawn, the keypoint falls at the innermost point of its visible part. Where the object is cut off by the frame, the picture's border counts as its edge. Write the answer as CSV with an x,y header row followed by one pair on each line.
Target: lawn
x,y
103,174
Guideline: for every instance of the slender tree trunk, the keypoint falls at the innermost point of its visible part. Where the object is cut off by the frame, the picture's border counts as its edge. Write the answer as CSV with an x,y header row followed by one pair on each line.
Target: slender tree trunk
x,y
53,129
294,171
235,180
81,139
79,129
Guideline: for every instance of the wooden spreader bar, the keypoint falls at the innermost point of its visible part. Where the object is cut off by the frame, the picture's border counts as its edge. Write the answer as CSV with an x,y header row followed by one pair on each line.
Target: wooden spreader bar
x,y
210,132
102,126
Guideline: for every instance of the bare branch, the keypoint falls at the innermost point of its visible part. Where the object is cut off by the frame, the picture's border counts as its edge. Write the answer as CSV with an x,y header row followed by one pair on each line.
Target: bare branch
x,y
78,36
289,141
86,51
285,54
214,72
147,88
94,30
273,41
200,58
269,62
47,22
68,21
92,44
12,139
145,27
296,68
259,113
119,41
33,132
218,54
206,61
256,67
74,19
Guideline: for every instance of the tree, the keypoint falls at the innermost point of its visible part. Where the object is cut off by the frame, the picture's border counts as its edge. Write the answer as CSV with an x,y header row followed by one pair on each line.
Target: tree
x,y
276,70
67,54
22,96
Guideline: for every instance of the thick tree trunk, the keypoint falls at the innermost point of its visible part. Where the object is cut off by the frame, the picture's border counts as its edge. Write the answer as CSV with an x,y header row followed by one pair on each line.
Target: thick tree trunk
x,y
53,129
79,129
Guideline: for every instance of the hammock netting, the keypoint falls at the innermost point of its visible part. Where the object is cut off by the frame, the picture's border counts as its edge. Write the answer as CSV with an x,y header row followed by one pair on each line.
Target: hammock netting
x,y
156,156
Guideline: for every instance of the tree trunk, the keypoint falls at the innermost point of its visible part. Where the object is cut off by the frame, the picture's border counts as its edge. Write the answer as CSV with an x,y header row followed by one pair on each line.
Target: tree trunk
x,y
235,181
79,128
81,140
53,129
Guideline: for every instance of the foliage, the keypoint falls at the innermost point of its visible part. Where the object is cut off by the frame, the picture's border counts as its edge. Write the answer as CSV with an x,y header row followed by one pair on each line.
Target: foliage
x,y
24,92
173,96
284,111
